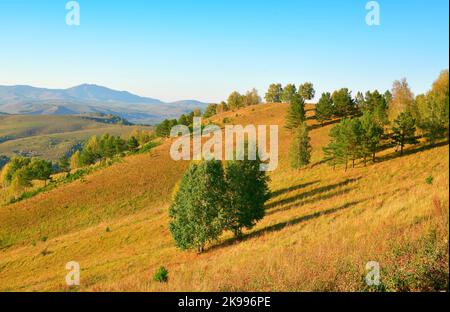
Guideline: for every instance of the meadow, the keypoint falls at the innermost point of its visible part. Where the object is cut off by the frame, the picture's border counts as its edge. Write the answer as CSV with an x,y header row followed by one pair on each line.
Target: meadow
x,y
51,137
322,226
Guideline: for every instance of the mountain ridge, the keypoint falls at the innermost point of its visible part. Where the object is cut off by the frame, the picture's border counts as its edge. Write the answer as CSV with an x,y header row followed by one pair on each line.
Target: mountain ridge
x,y
90,98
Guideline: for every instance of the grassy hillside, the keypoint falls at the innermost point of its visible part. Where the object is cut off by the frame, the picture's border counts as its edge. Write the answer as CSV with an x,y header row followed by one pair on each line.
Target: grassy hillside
x,y
50,137
321,226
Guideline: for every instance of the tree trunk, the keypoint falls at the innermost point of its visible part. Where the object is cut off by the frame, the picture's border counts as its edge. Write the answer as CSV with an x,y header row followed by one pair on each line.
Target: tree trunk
x,y
373,156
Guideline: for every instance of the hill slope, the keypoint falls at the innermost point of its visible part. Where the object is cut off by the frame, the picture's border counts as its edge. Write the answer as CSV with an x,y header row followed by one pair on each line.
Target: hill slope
x,y
51,137
320,230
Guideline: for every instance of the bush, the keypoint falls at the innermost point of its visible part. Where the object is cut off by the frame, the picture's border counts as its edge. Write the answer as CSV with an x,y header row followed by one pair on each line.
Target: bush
x,y
429,180
161,275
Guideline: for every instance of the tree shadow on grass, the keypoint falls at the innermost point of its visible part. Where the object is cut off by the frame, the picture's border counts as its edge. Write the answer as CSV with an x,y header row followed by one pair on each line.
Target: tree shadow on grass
x,y
292,188
279,226
327,123
410,151
309,201
311,193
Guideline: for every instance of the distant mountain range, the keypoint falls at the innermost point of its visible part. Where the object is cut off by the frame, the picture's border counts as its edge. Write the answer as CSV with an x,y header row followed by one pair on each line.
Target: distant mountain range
x,y
87,98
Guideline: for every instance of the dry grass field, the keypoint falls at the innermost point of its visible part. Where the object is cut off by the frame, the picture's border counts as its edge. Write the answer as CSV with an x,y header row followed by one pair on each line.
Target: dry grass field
x,y
321,227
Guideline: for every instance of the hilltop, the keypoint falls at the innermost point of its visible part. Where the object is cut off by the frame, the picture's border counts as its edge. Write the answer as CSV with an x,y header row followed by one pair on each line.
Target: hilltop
x,y
321,227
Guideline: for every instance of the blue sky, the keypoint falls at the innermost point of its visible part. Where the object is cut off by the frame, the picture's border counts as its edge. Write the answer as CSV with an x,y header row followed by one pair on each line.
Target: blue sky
x,y
203,50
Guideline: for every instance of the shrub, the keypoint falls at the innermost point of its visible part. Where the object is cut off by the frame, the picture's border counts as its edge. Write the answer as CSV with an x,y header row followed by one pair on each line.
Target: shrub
x,y
429,180
161,275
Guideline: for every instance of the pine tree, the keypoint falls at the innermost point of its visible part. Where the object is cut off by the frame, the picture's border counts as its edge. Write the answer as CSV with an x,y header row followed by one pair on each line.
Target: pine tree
x,y
404,130
132,144
64,164
372,132
296,112
344,106
324,109
247,192
301,148
197,211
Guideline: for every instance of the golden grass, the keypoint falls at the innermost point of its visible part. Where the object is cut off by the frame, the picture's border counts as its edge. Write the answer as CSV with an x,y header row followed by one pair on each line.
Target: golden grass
x,y
322,226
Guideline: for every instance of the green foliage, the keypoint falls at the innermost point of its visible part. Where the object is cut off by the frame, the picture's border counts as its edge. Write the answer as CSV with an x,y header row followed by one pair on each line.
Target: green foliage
x,y
301,147
433,110
163,129
372,132
235,100
210,110
132,144
296,112
324,108
161,275
404,130
429,180
246,193
197,211
63,164
307,91
3,161
345,143
288,92
273,95
344,106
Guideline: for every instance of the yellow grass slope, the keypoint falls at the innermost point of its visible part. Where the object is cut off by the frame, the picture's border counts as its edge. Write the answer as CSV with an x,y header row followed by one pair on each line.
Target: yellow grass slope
x,y
320,230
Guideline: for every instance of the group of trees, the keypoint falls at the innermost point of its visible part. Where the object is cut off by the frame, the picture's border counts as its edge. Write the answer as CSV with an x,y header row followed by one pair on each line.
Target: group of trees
x,y
237,100
394,117
277,94
163,129
21,171
211,199
105,147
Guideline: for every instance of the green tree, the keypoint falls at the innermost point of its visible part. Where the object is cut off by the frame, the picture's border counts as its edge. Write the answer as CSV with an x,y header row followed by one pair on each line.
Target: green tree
x,y
40,169
235,100
344,106
10,169
288,92
404,131
183,120
301,147
210,111
345,143
273,95
372,132
376,103
197,211
433,109
163,129
63,164
247,192
307,91
324,109
132,144
296,112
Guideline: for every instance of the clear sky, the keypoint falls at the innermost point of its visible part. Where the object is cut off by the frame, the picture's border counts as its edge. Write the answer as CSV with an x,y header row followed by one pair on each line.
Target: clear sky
x,y
192,49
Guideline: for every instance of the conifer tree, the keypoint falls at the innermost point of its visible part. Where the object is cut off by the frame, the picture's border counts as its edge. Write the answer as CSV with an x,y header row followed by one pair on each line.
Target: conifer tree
x,y
296,112
301,147
324,108
404,130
